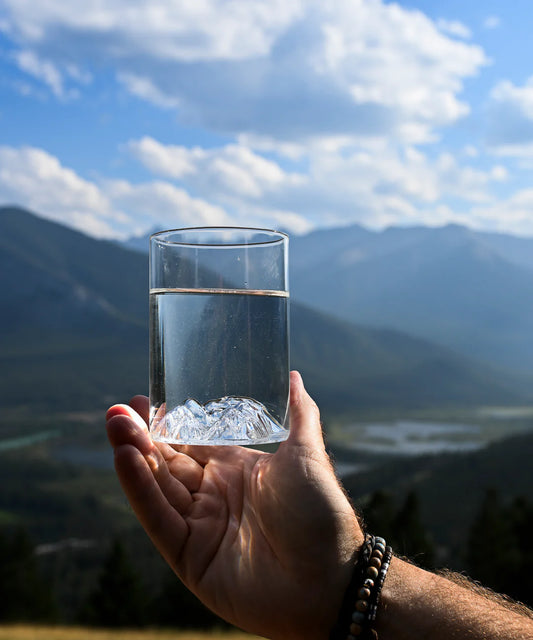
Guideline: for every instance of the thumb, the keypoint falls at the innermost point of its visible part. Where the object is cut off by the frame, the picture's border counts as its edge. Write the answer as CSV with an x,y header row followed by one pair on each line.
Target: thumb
x,y
304,415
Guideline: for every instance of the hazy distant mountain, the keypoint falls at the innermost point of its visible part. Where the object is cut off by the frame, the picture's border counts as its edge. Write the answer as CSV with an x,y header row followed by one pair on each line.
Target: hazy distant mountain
x,y
466,290
55,278
73,331
140,243
73,315
348,366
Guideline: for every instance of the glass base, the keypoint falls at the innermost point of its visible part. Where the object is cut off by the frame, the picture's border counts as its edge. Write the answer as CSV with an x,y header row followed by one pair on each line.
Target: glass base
x,y
227,421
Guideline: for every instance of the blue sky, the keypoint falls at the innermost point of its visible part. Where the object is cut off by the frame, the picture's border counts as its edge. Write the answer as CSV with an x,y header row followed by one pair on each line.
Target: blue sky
x,y
121,116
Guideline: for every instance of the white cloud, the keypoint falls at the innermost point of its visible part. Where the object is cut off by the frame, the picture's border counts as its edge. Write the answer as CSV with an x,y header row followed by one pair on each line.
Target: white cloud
x,y
35,179
284,70
52,75
507,93
375,186
471,151
454,28
162,29
163,203
510,215
145,89
492,22
392,187
390,56
510,119
233,170
43,70
324,101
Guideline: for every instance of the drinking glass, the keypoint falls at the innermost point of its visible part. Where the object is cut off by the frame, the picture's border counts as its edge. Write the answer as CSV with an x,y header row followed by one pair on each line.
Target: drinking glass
x,y
219,336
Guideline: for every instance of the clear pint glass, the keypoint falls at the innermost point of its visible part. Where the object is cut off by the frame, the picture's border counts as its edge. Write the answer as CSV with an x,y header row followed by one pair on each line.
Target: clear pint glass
x,y
219,336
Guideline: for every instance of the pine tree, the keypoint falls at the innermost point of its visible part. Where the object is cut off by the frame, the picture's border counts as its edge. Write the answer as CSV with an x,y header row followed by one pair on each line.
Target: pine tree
x,y
378,514
520,516
119,599
175,606
409,535
493,556
24,595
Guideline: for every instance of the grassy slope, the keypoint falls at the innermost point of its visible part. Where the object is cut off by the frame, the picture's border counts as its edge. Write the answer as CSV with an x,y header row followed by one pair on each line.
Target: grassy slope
x,y
26,632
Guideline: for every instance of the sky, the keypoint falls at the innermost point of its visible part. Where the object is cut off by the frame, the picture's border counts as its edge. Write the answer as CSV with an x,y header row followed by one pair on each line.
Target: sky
x,y
122,116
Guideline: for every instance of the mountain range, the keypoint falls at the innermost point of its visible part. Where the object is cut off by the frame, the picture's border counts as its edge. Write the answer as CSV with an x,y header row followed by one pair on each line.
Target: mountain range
x,y
73,331
467,290
470,291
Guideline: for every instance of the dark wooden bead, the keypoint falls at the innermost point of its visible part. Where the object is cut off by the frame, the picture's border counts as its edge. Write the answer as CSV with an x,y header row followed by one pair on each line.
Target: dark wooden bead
x,y
358,617
372,572
361,605
364,593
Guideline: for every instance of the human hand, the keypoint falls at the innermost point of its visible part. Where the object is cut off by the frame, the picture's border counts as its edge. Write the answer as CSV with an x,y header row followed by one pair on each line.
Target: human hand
x,y
267,541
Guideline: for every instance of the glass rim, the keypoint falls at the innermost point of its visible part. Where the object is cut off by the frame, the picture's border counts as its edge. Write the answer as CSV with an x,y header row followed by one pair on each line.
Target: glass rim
x,y
278,236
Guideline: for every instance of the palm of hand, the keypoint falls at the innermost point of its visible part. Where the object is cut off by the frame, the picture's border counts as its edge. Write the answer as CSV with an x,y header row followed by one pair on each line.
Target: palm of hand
x,y
256,536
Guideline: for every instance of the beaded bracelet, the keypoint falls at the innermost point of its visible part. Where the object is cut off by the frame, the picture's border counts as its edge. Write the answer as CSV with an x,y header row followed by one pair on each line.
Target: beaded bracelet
x,y
379,584
345,614
364,589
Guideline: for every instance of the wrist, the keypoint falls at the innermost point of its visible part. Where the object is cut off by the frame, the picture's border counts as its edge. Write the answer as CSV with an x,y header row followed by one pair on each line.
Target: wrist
x,y
334,583
356,618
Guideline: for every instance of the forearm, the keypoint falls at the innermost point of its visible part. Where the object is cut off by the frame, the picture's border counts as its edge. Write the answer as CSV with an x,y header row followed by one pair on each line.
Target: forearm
x,y
419,604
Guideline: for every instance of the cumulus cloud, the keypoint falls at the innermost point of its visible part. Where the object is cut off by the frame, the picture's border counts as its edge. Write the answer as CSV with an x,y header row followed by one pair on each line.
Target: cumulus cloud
x,y
35,179
327,106
163,203
394,186
510,119
287,70
454,28
165,30
375,187
145,89
510,215
234,170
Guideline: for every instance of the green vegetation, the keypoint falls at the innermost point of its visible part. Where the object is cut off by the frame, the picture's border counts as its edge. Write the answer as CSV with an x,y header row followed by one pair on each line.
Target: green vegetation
x,y
87,542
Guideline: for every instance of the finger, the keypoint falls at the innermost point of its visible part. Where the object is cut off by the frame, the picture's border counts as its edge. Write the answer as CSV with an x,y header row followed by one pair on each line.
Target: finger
x,y
305,427
174,465
126,410
177,478
162,522
124,426
136,433
140,404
